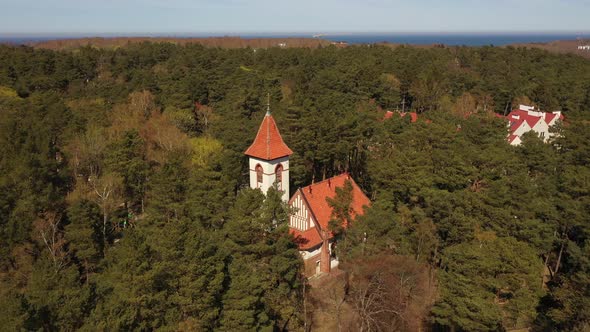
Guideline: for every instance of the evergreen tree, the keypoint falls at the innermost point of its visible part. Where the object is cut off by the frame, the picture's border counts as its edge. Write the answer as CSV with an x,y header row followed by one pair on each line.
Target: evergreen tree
x,y
126,157
83,234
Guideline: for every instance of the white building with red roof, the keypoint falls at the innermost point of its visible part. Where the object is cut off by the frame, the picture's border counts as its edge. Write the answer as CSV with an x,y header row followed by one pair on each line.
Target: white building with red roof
x,y
269,164
269,158
526,118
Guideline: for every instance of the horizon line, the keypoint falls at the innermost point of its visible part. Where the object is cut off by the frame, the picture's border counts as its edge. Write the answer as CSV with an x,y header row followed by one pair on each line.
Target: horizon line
x,y
296,33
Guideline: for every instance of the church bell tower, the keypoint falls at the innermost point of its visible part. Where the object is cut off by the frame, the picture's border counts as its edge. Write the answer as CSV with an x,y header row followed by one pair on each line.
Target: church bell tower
x,y
269,158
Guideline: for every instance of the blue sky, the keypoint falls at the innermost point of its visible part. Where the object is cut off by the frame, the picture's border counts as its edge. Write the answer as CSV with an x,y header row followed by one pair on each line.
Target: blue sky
x,y
235,16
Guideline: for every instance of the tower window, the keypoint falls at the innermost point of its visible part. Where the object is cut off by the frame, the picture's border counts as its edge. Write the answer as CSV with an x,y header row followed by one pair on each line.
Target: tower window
x,y
279,176
258,175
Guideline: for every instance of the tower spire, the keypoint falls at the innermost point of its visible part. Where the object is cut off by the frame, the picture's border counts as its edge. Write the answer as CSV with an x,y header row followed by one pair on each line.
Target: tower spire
x,y
269,157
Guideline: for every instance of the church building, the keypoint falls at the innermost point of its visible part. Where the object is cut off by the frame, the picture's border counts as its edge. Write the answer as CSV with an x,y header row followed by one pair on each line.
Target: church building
x,y
269,164
269,158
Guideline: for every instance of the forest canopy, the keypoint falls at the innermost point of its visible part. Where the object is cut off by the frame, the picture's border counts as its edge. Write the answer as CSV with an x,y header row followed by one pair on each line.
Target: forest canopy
x,y
124,198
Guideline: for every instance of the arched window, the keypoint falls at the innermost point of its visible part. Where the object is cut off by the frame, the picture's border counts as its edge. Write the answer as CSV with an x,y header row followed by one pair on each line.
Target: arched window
x,y
258,175
279,176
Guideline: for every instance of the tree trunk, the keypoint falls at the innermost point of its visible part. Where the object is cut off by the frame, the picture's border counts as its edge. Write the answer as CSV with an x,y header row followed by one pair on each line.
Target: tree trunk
x,y
104,231
304,307
558,263
86,268
545,264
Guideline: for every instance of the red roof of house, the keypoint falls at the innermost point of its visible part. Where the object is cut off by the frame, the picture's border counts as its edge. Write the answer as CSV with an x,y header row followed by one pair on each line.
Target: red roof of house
x,y
517,117
524,115
549,117
515,124
532,120
413,115
306,239
268,144
315,196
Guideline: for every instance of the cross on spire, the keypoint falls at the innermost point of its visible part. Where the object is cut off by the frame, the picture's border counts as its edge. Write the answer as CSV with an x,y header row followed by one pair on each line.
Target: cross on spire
x,y
268,104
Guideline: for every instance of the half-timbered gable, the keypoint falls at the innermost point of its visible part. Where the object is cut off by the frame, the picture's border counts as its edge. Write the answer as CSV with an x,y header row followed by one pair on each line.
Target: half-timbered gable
x,y
302,218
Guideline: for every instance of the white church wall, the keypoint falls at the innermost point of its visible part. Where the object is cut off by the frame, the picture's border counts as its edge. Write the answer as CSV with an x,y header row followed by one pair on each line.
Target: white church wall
x,y
305,254
269,176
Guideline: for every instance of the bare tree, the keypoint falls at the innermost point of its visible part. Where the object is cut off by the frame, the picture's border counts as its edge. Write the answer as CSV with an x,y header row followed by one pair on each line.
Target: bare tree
x,y
371,300
163,137
106,191
204,115
142,103
49,231
87,152
132,115
337,297
389,293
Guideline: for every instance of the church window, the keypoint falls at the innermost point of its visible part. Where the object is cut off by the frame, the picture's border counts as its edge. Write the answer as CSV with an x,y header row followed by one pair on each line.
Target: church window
x,y
258,175
279,176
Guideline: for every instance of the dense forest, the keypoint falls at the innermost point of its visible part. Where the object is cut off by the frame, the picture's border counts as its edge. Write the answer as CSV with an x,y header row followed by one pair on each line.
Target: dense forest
x,y
124,198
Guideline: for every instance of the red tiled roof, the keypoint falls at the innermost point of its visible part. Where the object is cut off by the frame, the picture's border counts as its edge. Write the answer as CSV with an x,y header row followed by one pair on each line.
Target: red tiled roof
x,y
315,195
516,118
306,239
515,124
413,116
549,117
268,144
532,120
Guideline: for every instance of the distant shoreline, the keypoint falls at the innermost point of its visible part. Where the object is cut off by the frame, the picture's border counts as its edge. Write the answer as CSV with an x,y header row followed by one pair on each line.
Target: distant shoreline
x,y
448,39
320,40
223,42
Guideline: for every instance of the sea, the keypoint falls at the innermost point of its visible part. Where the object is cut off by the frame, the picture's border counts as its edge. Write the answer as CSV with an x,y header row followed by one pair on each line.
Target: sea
x,y
451,39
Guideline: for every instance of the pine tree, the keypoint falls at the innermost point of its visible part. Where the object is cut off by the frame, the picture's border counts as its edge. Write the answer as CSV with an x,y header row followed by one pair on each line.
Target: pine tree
x,y
84,235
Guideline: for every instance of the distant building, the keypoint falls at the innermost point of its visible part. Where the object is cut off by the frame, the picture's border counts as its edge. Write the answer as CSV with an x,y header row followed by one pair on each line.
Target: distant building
x,y
390,114
269,165
412,115
339,43
526,118
584,48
